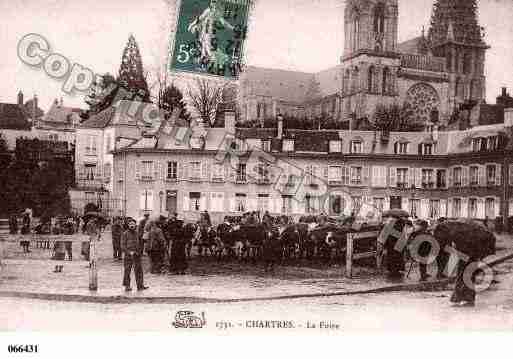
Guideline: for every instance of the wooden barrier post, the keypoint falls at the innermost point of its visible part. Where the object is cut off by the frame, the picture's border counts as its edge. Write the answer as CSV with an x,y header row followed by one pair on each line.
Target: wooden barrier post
x,y
349,255
93,270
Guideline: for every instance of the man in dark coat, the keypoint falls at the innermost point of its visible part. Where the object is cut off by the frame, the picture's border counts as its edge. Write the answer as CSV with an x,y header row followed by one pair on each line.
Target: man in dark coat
x,y
178,255
117,231
13,224
394,258
132,247
443,257
421,229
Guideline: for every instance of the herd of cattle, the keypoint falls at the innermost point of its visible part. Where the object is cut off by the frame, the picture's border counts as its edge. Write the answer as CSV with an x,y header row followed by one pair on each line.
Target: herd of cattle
x,y
326,242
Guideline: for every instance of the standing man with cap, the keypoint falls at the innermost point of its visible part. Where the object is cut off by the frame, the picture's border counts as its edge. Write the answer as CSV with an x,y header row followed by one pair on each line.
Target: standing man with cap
x,y
132,247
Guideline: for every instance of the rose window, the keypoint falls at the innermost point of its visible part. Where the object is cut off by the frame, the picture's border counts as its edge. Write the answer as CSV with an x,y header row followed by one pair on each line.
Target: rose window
x,y
423,99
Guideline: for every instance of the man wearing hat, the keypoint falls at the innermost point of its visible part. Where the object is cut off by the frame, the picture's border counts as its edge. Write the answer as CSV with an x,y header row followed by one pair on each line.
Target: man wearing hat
x,y
421,229
132,247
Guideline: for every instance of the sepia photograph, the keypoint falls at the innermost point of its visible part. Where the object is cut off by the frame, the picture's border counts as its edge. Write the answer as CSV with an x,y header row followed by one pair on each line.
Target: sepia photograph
x,y
255,167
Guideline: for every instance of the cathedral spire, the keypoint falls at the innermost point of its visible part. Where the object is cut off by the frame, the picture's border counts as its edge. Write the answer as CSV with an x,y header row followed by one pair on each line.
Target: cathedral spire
x,y
455,20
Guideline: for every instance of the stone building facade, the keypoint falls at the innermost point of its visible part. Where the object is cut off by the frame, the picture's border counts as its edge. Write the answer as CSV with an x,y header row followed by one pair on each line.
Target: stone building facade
x,y
228,171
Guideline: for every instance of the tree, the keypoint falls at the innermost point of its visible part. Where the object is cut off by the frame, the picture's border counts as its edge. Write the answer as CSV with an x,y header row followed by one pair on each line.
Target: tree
x,y
205,99
131,74
395,118
102,94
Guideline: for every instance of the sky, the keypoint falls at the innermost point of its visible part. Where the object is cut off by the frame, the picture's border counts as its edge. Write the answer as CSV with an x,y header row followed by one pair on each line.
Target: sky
x,y
304,35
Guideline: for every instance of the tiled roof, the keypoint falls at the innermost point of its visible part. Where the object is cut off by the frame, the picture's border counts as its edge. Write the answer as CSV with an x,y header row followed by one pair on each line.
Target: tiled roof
x,y
255,132
12,117
311,141
100,120
62,114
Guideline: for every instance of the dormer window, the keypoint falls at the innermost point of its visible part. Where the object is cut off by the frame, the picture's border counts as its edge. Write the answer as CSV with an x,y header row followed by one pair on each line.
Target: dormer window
x,y
492,143
401,148
426,149
266,145
476,144
335,146
356,146
288,145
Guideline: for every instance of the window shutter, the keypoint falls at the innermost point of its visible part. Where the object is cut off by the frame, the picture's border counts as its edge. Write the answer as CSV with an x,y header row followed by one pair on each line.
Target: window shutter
x,y
205,170
300,205
409,177
464,207
137,170
511,175
366,175
203,201
405,205
497,206
450,173
498,175
424,208
443,208
482,175
464,175
142,201
375,176
278,205
163,170
418,177
325,172
450,208
386,204
155,170
481,208
393,176
186,202
150,200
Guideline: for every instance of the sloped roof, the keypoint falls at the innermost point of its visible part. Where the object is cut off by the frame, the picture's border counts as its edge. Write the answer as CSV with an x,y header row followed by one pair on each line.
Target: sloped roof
x,y
13,117
329,81
286,85
62,114
409,46
100,120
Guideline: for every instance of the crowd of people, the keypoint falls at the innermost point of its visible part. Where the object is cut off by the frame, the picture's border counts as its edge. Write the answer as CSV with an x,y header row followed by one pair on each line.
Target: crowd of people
x,y
168,242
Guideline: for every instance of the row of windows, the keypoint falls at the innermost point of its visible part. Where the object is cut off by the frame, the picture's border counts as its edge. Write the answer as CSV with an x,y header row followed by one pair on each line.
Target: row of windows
x,y
336,204
474,208
476,175
380,176
485,144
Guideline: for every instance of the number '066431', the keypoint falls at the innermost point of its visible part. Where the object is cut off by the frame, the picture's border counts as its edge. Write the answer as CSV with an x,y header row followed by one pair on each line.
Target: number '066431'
x,y
22,348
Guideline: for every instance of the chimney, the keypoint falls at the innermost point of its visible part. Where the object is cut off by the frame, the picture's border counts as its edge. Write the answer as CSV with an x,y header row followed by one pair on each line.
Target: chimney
x,y
279,119
508,118
20,98
229,121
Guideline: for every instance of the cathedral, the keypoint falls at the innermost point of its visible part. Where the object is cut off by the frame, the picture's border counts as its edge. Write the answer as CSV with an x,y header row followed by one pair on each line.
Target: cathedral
x,y
439,74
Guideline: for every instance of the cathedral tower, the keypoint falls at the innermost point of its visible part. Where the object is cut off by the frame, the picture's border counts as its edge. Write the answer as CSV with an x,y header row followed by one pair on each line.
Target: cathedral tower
x,y
370,61
455,35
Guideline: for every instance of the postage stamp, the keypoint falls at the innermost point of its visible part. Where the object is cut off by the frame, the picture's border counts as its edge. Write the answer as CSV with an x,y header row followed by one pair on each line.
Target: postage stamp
x,y
210,37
